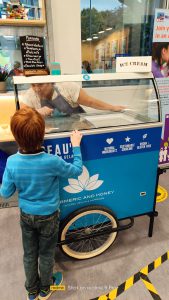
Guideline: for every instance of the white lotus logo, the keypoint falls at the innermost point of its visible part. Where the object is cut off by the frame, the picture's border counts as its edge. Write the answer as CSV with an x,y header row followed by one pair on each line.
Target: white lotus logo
x,y
83,183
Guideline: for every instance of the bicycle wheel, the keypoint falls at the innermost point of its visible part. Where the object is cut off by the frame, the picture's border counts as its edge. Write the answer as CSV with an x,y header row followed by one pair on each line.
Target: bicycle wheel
x,y
83,223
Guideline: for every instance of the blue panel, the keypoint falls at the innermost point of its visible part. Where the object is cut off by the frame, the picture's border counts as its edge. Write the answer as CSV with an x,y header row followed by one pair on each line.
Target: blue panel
x,y
98,146
127,185
120,173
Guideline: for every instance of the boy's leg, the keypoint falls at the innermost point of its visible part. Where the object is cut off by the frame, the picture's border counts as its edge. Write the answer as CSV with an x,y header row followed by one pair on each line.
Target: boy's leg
x,y
48,235
31,248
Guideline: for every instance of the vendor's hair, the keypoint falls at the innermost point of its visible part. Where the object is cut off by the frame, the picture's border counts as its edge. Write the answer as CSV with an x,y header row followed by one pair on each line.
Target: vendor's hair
x,y
28,129
156,51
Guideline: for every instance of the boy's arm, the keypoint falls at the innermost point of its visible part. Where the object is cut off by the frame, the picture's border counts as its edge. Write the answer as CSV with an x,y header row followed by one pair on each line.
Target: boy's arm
x,y
8,187
71,169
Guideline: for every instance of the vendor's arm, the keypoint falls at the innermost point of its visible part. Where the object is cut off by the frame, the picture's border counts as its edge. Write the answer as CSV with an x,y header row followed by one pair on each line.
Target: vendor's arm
x,y
44,111
87,100
8,187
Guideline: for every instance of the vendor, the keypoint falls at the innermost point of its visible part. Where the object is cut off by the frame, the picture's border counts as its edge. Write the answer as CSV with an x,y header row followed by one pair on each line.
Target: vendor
x,y
62,98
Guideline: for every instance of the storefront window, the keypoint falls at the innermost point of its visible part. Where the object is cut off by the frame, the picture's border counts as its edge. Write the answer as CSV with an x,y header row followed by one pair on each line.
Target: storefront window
x,y
112,28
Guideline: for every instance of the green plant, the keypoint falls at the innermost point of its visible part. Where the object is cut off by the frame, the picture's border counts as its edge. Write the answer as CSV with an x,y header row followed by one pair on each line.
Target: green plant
x,y
4,73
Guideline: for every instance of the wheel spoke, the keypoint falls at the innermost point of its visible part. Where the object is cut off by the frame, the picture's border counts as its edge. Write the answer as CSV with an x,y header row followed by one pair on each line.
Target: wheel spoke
x,y
102,227
89,221
104,221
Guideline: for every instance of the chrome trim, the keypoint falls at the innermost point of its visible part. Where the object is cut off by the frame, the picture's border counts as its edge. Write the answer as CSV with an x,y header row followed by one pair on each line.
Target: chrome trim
x,y
103,130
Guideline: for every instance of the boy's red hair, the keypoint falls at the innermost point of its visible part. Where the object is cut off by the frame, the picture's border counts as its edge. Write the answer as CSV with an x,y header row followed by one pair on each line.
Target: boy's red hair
x,y
28,129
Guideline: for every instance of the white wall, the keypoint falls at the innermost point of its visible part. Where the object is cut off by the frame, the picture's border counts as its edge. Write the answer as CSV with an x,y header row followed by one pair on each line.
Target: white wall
x,y
66,20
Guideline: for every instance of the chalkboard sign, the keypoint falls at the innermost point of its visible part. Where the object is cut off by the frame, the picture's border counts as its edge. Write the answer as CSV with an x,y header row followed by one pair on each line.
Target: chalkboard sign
x,y
32,48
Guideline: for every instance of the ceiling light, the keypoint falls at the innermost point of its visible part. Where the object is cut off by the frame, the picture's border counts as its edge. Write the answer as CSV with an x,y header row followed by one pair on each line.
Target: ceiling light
x,y
89,39
95,37
101,31
110,28
9,37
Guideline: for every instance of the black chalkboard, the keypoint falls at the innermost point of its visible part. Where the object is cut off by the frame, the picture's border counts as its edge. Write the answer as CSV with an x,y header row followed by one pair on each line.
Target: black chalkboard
x,y
32,48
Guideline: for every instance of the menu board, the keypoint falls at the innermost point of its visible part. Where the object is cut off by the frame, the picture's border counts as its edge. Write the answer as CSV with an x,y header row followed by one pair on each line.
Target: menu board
x,y
32,48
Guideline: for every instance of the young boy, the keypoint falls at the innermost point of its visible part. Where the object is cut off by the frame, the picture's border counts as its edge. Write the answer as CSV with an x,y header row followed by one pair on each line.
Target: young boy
x,y
35,175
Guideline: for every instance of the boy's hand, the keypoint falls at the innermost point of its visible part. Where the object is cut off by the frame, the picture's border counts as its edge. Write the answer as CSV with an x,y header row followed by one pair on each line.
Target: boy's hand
x,y
75,138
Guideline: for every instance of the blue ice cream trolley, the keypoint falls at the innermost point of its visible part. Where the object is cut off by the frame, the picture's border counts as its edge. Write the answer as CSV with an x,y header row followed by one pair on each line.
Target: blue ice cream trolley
x,y
120,152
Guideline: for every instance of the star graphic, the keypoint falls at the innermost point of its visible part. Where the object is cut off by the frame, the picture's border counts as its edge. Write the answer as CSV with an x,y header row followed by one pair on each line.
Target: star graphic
x,y
127,139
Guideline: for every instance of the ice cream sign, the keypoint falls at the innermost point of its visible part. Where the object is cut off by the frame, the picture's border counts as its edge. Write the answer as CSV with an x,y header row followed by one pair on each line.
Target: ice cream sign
x,y
133,64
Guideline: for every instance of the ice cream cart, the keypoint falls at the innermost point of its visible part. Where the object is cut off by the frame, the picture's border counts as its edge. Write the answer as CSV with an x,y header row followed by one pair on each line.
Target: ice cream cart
x,y
120,152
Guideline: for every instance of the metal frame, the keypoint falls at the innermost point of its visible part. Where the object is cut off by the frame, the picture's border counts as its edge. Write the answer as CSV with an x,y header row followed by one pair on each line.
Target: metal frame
x,y
117,229
81,77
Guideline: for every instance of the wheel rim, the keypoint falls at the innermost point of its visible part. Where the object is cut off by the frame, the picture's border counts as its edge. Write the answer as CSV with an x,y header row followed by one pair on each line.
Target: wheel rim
x,y
83,225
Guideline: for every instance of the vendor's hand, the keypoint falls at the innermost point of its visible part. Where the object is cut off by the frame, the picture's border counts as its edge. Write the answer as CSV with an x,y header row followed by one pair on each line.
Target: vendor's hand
x,y
45,111
75,138
118,108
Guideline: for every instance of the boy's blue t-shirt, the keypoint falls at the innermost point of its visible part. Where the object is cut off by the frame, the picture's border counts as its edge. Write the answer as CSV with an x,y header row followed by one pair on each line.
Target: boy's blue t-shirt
x,y
36,178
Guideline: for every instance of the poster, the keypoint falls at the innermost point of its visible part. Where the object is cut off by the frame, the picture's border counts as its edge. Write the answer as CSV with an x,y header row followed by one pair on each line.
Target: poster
x,y
123,43
16,11
160,69
114,47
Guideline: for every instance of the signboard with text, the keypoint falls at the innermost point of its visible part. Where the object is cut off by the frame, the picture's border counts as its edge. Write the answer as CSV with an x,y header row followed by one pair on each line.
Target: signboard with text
x,y
133,64
32,49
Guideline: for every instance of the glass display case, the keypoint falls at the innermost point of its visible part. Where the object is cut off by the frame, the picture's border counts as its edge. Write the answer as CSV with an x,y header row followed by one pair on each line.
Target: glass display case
x,y
136,94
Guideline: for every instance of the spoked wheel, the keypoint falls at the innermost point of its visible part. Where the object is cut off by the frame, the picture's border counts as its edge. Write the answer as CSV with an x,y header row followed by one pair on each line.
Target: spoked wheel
x,y
83,223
